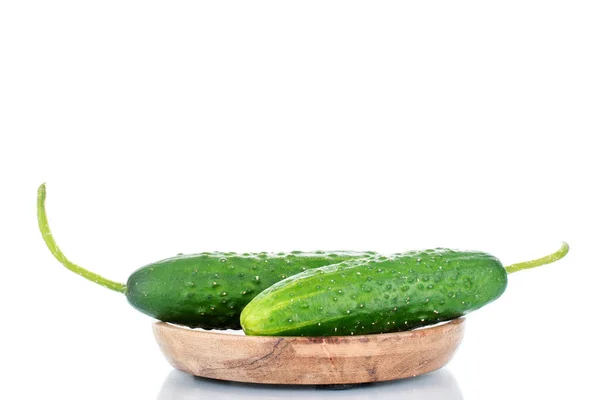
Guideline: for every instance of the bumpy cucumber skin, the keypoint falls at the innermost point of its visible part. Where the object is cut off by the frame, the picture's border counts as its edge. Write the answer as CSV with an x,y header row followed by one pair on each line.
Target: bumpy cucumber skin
x,y
384,294
209,290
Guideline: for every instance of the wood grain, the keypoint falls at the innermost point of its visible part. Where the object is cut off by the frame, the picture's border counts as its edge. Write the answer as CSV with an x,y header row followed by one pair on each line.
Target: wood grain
x,y
329,360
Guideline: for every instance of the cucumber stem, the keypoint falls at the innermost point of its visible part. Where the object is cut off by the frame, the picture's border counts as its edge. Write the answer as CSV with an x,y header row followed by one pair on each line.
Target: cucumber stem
x,y
557,255
57,253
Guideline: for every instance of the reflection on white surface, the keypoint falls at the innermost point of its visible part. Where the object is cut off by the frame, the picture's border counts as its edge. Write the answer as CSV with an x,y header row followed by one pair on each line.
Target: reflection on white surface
x,y
435,385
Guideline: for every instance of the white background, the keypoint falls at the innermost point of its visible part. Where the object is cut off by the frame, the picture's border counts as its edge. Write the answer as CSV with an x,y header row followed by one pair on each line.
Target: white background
x,y
166,127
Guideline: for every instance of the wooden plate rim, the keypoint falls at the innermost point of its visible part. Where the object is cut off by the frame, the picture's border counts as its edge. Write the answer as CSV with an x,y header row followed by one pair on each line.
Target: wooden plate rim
x,y
457,323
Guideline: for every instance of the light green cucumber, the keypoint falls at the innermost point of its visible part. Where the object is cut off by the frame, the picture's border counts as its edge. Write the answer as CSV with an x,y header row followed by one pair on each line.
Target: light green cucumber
x,y
384,294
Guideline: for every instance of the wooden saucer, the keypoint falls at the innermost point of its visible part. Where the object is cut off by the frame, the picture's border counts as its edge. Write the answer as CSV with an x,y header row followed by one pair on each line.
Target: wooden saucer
x,y
329,360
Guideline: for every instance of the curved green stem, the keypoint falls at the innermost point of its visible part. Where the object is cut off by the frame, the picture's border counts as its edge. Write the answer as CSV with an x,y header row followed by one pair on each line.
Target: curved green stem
x,y
557,255
53,247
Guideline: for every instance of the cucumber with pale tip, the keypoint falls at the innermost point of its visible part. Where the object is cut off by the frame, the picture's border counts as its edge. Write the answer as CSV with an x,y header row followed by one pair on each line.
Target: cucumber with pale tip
x,y
383,294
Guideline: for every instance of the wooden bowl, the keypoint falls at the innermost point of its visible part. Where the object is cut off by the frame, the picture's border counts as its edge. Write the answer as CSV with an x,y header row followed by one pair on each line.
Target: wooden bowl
x,y
328,360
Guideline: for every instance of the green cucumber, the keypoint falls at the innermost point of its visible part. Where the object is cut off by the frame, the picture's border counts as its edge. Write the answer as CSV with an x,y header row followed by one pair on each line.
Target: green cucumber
x,y
209,290
206,290
384,294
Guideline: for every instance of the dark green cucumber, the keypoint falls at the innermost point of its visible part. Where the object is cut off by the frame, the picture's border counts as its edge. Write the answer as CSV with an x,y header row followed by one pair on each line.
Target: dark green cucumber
x,y
384,294
207,290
